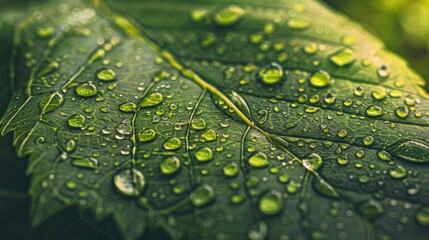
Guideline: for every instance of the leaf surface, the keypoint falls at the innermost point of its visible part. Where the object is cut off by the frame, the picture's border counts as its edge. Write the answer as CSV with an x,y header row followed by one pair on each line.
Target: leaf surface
x,y
261,120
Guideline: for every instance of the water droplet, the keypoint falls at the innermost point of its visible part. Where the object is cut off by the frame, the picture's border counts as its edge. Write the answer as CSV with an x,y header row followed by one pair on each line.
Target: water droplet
x,y
124,129
106,74
147,135
342,58
271,74
379,94
238,198
198,124
198,15
129,182
202,196
374,111
76,121
368,140
343,160
230,169
397,172
383,155
86,90
170,165
152,99
259,160
411,150
410,100
359,91
311,48
209,135
46,31
342,133
313,162
402,111
70,185
348,40
86,162
370,209
204,154
330,98
128,107
320,79
228,15
50,102
271,203
383,71
172,143
298,23
70,145
422,216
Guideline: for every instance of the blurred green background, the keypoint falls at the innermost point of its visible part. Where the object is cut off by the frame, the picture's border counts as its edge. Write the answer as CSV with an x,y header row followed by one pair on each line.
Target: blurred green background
x,y
403,25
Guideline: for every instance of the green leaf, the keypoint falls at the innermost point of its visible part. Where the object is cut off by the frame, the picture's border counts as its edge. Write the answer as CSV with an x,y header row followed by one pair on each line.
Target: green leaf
x,y
260,120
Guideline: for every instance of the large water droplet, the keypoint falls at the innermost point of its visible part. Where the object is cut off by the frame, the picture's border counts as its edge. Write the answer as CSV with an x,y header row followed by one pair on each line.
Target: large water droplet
x,y
374,111
152,99
198,124
50,102
209,135
48,68
128,107
320,79
259,160
271,74
147,135
402,111
230,169
397,172
204,154
202,196
422,216
228,15
170,165
411,150
271,203
383,71
129,182
172,143
76,121
342,58
298,23
106,74
86,90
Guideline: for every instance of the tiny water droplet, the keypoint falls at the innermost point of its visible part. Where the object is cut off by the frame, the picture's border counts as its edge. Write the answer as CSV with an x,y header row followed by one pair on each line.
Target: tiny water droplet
x,y
86,162
370,209
383,71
